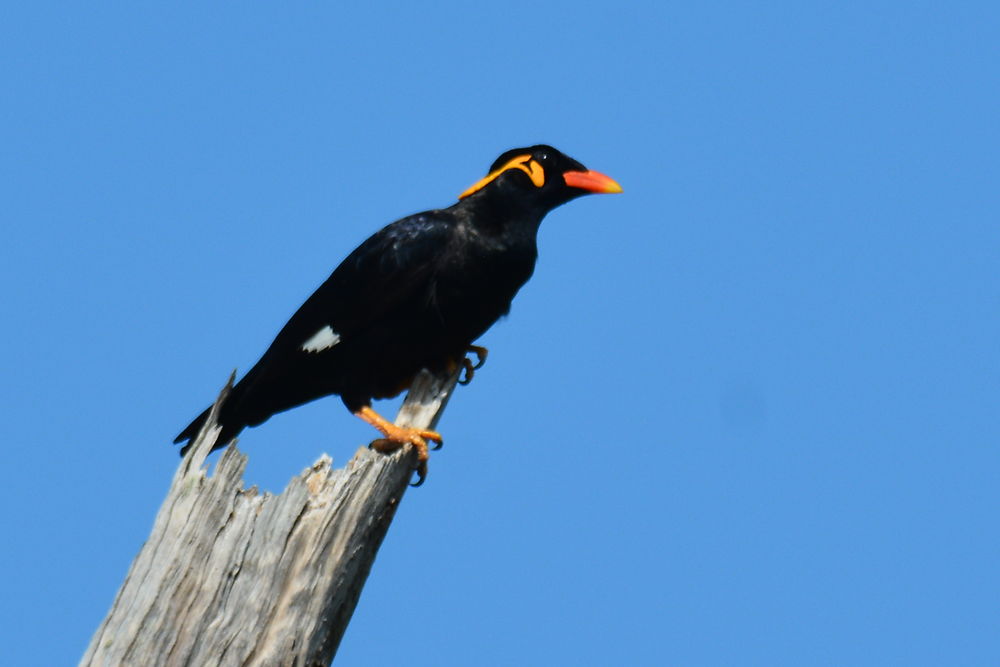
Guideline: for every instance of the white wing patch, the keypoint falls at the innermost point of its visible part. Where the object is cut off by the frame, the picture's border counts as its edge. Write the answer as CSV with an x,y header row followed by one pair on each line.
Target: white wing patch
x,y
324,339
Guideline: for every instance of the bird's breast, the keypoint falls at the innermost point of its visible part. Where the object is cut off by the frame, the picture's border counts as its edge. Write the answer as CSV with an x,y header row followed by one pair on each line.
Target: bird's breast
x,y
474,290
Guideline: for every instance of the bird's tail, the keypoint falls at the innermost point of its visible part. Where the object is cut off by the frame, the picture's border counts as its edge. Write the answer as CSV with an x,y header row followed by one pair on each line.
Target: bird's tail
x,y
229,431
228,418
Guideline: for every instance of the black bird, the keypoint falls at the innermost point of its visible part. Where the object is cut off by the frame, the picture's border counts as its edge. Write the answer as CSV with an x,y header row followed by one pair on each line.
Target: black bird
x,y
415,295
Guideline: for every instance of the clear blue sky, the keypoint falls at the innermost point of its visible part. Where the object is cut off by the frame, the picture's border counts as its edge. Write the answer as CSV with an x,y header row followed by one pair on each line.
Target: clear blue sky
x,y
744,413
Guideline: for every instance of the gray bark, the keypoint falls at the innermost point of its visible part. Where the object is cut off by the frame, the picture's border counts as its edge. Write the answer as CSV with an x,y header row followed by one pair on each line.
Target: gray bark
x,y
230,576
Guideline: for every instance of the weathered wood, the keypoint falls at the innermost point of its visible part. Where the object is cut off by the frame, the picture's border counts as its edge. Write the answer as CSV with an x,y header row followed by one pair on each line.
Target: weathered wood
x,y
229,576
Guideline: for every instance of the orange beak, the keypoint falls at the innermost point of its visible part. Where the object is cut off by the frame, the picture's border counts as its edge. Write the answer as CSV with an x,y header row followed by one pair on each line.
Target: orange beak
x,y
592,181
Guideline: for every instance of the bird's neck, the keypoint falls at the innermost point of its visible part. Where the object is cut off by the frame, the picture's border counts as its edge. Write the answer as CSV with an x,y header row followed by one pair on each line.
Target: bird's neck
x,y
501,216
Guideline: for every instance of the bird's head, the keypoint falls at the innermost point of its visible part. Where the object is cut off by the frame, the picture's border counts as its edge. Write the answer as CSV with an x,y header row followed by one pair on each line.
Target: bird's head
x,y
539,177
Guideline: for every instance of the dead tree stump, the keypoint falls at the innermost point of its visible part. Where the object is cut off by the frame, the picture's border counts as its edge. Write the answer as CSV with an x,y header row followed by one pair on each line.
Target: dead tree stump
x,y
230,576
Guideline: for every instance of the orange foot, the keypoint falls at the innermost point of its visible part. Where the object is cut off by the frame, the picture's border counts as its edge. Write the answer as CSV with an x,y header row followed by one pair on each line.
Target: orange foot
x,y
397,436
470,368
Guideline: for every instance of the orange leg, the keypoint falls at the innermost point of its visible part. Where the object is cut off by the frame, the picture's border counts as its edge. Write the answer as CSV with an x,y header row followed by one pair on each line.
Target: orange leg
x,y
397,436
470,368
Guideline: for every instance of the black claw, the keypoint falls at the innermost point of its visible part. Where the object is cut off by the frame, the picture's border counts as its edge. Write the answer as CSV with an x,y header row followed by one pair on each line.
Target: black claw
x,y
421,468
481,353
469,372
471,368
437,445
421,471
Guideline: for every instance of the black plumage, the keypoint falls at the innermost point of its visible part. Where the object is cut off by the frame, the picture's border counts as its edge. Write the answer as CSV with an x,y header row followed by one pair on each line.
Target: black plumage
x,y
415,295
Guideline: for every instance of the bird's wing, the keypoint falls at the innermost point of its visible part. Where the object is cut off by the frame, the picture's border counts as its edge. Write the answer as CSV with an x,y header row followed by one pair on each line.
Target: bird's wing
x,y
390,268
383,275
